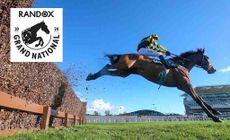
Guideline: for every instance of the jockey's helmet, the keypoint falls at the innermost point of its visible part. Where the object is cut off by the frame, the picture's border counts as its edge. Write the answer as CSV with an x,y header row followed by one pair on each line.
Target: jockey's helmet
x,y
155,36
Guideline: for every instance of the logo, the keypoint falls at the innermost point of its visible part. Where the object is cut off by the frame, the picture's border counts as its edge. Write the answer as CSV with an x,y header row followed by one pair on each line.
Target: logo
x,y
36,35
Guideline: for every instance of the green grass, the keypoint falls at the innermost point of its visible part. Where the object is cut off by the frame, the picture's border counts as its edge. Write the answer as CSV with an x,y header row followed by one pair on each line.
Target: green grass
x,y
135,131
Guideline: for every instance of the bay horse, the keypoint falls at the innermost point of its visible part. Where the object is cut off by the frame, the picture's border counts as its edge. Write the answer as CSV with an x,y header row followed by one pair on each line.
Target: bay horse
x,y
29,35
126,64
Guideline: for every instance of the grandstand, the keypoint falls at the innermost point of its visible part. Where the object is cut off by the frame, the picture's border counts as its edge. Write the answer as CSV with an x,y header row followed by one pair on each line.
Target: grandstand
x,y
216,96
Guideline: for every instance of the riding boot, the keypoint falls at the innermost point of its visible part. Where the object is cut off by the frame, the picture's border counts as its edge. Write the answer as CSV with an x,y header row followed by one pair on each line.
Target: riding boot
x,y
167,66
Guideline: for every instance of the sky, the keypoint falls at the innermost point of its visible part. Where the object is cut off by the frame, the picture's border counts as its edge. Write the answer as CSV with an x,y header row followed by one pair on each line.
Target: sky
x,y
93,28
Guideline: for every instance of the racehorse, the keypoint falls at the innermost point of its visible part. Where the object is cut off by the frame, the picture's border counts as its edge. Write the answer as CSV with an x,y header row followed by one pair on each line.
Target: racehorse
x,y
126,64
30,35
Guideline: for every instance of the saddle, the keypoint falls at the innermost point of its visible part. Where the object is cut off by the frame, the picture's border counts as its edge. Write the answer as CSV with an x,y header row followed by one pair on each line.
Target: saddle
x,y
157,61
163,74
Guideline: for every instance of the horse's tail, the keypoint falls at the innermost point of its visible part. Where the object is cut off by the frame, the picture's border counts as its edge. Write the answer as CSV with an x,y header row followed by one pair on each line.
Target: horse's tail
x,y
114,58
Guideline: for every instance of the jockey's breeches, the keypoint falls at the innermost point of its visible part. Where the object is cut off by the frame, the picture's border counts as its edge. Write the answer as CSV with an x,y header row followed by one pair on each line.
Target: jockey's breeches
x,y
149,52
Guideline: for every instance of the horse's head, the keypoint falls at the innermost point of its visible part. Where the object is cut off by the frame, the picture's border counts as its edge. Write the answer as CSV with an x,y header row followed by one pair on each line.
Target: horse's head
x,y
44,27
204,62
197,58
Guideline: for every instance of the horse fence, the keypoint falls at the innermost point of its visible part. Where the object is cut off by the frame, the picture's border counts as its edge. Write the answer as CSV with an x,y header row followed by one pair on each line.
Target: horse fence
x,y
124,119
10,102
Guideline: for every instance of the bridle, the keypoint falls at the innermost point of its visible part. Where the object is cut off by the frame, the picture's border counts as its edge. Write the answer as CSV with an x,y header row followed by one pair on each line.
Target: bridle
x,y
202,65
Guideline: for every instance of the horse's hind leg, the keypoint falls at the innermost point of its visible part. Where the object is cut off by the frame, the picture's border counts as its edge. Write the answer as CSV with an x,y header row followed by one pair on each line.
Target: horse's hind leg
x,y
103,71
108,70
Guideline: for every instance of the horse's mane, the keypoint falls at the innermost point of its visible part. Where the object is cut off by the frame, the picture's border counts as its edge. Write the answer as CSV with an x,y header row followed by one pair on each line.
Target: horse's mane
x,y
187,54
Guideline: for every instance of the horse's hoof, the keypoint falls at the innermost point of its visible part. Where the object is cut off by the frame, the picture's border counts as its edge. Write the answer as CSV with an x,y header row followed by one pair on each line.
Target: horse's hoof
x,y
216,119
90,77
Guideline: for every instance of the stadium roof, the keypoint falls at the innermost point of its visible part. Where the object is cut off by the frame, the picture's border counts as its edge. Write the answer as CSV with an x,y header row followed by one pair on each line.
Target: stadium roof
x,y
212,89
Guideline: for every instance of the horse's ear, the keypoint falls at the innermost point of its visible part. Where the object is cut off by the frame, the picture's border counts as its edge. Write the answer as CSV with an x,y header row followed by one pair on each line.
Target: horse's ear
x,y
201,50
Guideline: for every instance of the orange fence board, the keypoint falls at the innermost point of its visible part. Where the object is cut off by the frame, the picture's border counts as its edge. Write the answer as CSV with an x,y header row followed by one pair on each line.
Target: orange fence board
x,y
57,114
66,119
12,102
9,101
46,117
70,116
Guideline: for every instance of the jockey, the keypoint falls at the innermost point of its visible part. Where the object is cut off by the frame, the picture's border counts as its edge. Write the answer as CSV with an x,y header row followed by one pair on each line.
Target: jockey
x,y
149,47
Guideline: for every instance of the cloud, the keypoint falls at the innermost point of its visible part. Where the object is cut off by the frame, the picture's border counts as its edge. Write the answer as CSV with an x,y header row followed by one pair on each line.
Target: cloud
x,y
227,69
101,106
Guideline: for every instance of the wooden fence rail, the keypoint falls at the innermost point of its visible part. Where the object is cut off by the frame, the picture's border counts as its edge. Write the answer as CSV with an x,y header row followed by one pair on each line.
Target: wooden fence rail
x,y
11,102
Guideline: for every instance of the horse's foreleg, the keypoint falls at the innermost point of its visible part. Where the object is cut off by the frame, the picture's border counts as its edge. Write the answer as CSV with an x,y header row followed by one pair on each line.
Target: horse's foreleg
x,y
188,89
40,41
215,112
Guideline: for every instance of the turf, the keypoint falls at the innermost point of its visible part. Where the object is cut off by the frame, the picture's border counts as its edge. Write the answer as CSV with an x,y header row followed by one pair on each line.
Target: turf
x,y
202,130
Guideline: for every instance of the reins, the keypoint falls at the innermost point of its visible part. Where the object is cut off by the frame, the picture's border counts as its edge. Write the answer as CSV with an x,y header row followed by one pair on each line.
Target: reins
x,y
186,59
